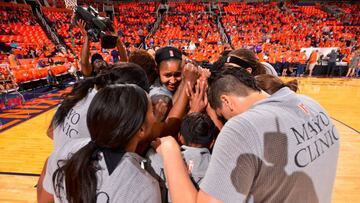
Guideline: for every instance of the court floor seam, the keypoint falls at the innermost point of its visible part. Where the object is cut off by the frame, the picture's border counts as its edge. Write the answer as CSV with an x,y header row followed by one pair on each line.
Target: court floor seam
x,y
20,174
346,125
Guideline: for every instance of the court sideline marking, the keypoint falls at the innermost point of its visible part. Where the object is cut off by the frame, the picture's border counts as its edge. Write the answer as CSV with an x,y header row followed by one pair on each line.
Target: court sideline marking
x,y
37,175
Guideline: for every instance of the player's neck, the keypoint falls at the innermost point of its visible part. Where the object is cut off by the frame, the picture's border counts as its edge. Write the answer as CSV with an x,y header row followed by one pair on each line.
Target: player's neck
x,y
245,103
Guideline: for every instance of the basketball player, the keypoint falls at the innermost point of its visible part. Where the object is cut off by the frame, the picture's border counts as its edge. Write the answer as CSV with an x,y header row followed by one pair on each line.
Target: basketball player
x,y
278,148
104,167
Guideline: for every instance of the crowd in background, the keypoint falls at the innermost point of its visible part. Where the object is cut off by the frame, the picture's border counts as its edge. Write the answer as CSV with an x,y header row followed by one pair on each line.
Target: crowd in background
x,y
275,34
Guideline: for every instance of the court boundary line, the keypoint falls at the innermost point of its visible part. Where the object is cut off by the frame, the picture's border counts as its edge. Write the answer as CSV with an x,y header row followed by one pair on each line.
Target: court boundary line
x,y
27,119
20,174
346,125
37,114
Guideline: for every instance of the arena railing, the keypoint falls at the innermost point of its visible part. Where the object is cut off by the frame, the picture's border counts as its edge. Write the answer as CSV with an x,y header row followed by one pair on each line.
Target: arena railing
x,y
224,37
154,28
54,37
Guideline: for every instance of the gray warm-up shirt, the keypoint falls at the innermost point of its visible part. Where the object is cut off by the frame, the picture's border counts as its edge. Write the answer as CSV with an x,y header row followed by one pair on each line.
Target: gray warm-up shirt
x,y
74,125
129,182
196,159
283,149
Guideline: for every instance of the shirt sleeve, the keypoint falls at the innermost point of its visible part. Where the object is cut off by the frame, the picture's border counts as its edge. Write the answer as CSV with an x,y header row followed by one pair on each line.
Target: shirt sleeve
x,y
234,163
47,182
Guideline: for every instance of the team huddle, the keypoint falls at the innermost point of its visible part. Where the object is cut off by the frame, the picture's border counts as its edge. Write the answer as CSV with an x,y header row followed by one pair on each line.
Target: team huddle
x,y
158,127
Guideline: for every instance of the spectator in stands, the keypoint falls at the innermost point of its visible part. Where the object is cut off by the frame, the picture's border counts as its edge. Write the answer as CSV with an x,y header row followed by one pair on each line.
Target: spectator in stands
x,y
31,52
12,59
11,85
295,31
2,88
354,64
332,56
302,64
73,68
52,80
92,69
105,51
97,63
6,31
48,52
115,56
14,44
312,61
11,76
50,61
41,64
2,31
357,71
2,76
192,46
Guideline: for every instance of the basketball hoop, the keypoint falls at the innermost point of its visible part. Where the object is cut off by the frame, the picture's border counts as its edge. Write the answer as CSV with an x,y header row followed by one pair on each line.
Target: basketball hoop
x,y
70,4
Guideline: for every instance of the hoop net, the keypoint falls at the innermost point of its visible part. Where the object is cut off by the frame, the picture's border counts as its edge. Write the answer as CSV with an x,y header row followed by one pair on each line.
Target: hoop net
x,y
70,4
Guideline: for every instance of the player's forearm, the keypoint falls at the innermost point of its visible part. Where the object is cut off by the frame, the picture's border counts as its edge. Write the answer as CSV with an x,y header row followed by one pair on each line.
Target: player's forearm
x,y
50,130
178,91
85,66
122,51
178,110
212,114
